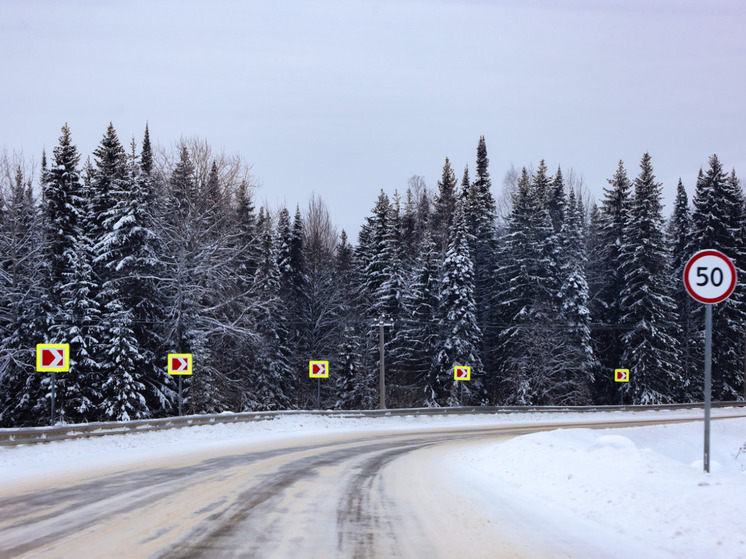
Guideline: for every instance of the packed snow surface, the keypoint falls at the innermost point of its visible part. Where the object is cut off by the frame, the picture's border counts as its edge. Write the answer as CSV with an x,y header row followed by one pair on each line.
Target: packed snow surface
x,y
631,490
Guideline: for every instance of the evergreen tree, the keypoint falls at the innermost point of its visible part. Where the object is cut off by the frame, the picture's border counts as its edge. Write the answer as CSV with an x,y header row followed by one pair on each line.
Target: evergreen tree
x,y
293,281
355,385
146,157
123,393
383,284
718,223
527,299
574,385
382,260
73,313
128,260
542,186
418,332
445,207
269,382
480,208
461,338
651,350
109,182
609,281
689,329
248,252
557,202
355,388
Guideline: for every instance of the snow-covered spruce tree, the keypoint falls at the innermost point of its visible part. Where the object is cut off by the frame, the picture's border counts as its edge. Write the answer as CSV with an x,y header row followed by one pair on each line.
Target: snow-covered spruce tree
x,y
269,381
557,201
149,300
608,282
109,181
577,362
480,212
444,207
383,283
21,316
292,268
383,273
689,329
460,334
527,299
718,223
122,392
541,184
651,350
245,243
127,258
247,237
399,383
355,386
73,313
418,330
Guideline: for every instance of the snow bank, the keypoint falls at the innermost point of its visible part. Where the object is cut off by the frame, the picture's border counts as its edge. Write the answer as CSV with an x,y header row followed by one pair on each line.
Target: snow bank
x,y
20,462
643,484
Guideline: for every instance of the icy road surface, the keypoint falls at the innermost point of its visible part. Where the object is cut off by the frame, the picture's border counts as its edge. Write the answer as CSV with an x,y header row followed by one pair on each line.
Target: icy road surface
x,y
381,489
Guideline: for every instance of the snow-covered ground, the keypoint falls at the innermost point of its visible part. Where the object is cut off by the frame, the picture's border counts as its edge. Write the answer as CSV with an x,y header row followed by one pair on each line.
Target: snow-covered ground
x,y
642,487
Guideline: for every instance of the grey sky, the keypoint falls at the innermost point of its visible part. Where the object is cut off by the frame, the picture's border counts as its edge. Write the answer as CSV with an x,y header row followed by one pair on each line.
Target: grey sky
x,y
343,98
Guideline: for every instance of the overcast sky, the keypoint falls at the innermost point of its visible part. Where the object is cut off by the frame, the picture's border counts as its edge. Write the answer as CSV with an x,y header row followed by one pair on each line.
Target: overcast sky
x,y
342,98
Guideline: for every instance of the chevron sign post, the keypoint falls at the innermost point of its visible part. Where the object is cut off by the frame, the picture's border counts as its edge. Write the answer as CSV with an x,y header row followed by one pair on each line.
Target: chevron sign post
x,y
52,358
461,373
318,370
180,364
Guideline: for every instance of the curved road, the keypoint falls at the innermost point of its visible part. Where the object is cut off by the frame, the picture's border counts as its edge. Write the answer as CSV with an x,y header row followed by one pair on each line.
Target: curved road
x,y
344,495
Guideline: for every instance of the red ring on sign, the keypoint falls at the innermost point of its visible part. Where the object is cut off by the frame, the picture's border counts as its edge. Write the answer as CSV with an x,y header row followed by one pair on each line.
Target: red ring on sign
x,y
724,258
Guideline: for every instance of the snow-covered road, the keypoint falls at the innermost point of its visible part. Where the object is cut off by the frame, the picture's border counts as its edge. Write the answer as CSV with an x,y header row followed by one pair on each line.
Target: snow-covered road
x,y
313,488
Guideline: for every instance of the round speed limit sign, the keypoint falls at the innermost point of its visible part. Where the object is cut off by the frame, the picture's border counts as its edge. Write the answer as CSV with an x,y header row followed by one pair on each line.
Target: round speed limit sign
x,y
710,276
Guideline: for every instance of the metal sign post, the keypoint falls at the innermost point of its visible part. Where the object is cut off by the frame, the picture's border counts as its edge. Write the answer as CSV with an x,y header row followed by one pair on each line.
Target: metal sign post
x,y
709,277
52,358
180,364
461,373
708,383
318,370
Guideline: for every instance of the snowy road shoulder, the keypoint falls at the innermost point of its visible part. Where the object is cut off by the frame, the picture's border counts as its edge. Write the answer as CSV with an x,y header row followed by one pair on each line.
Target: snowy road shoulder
x,y
29,462
642,484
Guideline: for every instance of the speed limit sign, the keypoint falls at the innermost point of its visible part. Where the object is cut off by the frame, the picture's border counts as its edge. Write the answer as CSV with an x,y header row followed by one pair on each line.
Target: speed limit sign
x,y
710,276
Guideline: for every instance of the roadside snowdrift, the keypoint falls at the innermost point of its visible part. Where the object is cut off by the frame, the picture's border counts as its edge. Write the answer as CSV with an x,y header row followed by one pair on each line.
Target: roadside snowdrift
x,y
644,484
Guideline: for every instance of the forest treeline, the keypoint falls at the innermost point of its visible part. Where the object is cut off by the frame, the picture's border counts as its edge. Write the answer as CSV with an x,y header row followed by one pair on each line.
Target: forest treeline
x,y
137,253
